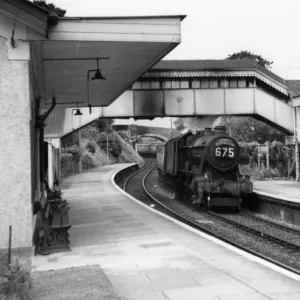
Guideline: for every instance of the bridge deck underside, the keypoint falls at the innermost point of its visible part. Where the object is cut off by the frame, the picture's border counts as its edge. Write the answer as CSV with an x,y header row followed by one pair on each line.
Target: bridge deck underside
x,y
205,102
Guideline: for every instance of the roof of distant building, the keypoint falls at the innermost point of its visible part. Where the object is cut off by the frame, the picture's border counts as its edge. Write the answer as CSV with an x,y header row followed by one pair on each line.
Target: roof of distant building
x,y
294,86
55,122
214,65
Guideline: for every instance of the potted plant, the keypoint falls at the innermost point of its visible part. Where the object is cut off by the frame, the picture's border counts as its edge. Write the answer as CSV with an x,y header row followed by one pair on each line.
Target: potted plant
x,y
58,213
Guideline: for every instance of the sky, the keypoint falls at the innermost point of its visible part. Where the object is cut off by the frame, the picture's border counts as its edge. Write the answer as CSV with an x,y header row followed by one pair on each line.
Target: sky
x,y
216,28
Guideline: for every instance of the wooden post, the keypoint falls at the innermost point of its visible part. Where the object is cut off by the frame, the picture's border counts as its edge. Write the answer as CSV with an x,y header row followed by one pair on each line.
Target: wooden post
x,y
9,247
107,156
297,159
267,155
80,158
296,116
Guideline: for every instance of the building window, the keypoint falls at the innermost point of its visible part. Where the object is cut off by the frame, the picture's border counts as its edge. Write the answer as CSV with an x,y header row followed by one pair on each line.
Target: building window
x,y
222,83
155,85
213,83
137,85
233,83
242,83
184,84
146,85
196,84
175,84
167,84
204,83
250,82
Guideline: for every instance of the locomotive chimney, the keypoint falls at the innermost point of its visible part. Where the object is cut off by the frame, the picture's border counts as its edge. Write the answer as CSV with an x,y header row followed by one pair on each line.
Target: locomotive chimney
x,y
208,131
220,130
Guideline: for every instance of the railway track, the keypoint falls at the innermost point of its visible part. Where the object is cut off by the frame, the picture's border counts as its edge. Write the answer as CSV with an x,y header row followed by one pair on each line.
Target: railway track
x,y
269,241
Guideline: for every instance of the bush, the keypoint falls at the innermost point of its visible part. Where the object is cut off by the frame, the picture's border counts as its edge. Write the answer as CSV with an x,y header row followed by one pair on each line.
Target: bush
x,y
114,145
89,132
88,161
15,281
124,135
91,147
248,149
74,150
92,151
68,165
128,154
260,172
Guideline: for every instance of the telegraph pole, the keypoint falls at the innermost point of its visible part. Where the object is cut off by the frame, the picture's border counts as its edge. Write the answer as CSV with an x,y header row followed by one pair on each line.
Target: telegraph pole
x,y
296,146
80,158
107,147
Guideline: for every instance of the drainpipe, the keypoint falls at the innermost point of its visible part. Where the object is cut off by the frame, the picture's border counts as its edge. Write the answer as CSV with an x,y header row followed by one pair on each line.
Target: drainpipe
x,y
40,124
296,145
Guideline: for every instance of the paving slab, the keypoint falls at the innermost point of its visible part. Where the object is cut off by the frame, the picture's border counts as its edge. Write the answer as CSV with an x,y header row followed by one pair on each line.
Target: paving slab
x,y
150,257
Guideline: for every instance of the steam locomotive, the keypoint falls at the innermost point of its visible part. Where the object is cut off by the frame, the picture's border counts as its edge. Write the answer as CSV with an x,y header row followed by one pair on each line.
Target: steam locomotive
x,y
204,168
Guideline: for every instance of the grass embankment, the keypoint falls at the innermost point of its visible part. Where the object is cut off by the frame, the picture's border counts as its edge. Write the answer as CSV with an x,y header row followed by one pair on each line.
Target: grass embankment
x,y
93,151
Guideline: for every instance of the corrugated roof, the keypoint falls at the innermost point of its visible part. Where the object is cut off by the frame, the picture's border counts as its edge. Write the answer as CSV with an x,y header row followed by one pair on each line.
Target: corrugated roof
x,y
55,122
216,65
294,86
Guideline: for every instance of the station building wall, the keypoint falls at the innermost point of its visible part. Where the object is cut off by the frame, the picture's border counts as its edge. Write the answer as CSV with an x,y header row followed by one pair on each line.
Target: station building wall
x,y
15,150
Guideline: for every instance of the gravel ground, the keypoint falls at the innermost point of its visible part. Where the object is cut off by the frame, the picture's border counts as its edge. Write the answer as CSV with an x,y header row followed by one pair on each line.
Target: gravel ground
x,y
277,231
84,283
223,229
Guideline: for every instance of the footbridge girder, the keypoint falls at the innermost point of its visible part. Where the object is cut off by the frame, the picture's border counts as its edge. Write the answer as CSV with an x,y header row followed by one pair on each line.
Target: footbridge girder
x,y
205,102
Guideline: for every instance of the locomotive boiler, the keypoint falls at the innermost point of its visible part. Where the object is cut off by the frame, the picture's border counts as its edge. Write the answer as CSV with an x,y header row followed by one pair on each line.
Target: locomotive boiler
x,y
204,168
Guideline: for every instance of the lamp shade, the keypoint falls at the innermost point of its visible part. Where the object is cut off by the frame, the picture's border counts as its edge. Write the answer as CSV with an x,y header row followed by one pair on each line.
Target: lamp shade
x,y
98,76
78,112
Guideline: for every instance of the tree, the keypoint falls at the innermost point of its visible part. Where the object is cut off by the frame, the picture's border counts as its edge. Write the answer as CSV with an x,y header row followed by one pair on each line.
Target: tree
x,y
248,55
247,129
103,124
51,7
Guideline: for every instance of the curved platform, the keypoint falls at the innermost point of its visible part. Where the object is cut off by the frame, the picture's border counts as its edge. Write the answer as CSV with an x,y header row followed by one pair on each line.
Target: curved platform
x,y
279,189
149,256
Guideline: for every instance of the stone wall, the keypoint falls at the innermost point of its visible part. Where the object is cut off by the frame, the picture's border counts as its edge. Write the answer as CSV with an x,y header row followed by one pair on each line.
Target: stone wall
x,y
15,150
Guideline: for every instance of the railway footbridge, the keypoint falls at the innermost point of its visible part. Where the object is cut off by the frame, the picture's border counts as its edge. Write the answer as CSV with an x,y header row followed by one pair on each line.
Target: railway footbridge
x,y
209,88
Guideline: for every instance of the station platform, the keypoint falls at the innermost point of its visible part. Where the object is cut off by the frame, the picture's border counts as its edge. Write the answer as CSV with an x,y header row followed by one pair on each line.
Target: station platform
x,y
280,189
148,256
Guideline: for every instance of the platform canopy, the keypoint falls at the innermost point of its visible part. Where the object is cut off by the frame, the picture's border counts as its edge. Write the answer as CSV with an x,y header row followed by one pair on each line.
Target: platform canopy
x,y
125,47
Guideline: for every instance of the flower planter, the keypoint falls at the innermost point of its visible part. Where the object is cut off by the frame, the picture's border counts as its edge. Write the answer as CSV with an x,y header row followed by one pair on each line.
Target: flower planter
x,y
56,223
60,220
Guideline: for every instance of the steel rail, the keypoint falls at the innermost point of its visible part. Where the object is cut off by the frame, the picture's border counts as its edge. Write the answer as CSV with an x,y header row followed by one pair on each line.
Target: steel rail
x,y
198,226
249,214
135,173
258,233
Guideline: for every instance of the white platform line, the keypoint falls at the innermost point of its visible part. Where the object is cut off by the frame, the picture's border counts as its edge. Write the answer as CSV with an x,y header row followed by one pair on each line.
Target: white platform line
x,y
213,239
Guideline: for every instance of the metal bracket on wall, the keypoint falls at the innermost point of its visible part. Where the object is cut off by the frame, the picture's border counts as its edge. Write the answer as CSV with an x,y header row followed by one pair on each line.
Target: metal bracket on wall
x,y
40,120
